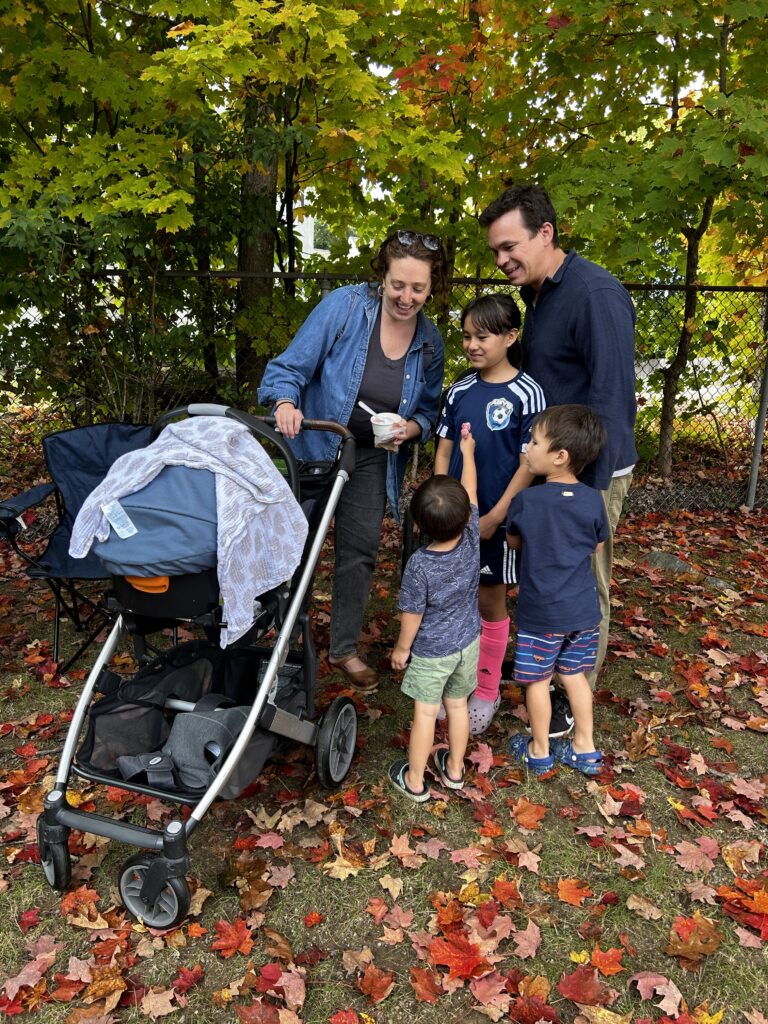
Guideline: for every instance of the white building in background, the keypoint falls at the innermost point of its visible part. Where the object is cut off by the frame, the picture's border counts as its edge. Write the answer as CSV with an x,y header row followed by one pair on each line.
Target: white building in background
x,y
315,237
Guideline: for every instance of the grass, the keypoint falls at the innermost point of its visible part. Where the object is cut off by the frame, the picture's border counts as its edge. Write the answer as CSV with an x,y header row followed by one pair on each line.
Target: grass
x,y
674,674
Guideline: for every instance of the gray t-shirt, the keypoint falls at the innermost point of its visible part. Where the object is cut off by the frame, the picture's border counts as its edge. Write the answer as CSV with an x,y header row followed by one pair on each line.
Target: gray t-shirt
x,y
381,387
442,585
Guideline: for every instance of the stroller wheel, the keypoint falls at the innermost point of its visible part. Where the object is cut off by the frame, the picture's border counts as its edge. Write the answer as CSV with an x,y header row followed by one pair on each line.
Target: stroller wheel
x,y
171,904
54,859
336,742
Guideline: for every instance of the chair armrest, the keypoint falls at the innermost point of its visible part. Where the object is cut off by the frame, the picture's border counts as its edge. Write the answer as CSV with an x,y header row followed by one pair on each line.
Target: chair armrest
x,y
12,508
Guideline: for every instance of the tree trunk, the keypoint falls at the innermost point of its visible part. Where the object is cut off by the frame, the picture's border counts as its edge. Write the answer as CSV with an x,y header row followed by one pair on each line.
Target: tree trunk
x,y
202,242
256,247
675,369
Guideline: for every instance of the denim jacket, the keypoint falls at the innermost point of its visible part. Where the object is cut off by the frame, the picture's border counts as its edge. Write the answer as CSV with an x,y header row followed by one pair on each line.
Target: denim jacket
x,y
321,370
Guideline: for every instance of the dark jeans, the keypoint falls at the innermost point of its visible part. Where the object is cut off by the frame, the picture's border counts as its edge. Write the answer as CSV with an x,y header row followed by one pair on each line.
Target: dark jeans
x,y
357,532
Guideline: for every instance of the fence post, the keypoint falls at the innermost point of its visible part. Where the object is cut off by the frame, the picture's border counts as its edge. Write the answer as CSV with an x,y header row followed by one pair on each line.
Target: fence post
x,y
757,448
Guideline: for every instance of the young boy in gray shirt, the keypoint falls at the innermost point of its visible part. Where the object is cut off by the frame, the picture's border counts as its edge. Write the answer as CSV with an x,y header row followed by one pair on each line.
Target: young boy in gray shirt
x,y
440,626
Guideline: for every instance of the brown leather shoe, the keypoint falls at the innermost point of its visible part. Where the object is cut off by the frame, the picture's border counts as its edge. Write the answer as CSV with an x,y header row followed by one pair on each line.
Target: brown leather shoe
x,y
363,679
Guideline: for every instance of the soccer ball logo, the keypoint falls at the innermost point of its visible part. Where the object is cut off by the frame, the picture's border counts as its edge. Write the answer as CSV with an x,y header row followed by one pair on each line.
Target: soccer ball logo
x,y
498,414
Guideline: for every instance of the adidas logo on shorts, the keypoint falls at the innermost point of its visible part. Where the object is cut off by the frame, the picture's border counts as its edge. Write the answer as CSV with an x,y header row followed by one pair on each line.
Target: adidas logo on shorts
x,y
486,571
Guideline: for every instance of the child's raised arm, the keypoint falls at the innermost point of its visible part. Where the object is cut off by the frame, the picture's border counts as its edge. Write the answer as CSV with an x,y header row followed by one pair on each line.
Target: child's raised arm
x,y
443,455
468,470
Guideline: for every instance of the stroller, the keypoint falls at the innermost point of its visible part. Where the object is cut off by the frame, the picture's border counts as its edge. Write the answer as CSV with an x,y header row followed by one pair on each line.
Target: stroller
x,y
197,721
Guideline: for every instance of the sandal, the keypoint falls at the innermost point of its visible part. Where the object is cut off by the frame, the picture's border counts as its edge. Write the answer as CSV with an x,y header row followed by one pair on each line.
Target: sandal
x,y
440,757
481,713
363,679
397,773
518,748
590,763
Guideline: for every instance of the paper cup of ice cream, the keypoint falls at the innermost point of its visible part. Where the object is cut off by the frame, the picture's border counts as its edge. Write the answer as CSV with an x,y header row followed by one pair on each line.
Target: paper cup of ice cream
x,y
383,424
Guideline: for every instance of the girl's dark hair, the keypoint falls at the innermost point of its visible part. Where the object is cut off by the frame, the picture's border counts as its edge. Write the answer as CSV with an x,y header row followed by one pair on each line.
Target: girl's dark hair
x,y
393,249
576,428
440,507
496,313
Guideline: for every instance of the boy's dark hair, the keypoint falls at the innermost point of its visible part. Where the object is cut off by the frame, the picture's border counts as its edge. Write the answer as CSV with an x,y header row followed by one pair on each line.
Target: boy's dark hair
x,y
532,201
496,313
577,429
440,507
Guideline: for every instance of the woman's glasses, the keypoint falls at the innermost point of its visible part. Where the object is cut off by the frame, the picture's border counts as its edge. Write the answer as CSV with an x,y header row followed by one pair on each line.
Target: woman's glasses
x,y
431,242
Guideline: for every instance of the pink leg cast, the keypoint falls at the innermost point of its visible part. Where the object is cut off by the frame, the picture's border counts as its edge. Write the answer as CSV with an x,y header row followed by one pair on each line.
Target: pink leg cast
x,y
485,701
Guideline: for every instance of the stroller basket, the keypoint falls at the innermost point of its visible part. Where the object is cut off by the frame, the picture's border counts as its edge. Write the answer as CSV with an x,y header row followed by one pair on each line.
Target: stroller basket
x,y
134,736
198,722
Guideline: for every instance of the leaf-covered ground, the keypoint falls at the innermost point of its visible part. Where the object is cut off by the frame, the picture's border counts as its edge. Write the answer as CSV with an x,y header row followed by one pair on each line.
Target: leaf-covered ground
x,y
639,896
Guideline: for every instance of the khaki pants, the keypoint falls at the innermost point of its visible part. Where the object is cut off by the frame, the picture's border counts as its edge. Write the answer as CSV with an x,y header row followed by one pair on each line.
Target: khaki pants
x,y
602,563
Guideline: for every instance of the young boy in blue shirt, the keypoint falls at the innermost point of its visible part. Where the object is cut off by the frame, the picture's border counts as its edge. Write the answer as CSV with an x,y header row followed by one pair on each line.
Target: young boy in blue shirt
x,y
557,527
440,625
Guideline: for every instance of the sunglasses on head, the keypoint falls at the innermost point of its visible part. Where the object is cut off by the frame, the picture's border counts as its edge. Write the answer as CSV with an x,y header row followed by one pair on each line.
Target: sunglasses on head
x,y
431,242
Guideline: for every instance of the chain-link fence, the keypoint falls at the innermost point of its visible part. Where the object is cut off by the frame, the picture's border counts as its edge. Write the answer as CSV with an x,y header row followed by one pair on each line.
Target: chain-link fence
x,y
114,346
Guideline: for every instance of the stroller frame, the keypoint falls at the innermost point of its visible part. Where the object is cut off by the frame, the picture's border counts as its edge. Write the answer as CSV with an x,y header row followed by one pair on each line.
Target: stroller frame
x,y
154,889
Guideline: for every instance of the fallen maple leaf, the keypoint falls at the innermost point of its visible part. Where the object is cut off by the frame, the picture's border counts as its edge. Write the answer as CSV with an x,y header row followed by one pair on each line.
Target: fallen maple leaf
x,y
491,991
693,938
650,984
642,906
507,892
571,890
531,1010
29,919
375,983
344,1017
426,985
698,856
234,937
608,962
527,814
158,1003
599,1015
527,942
258,1012
186,978
313,919
377,908
460,956
482,758
583,986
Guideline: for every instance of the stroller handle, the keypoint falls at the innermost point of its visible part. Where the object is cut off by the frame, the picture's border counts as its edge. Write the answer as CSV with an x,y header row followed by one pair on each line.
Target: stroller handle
x,y
347,451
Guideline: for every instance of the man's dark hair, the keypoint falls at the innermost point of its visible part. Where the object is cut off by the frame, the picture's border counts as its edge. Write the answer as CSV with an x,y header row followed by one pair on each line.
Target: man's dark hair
x,y
496,313
532,201
577,429
441,507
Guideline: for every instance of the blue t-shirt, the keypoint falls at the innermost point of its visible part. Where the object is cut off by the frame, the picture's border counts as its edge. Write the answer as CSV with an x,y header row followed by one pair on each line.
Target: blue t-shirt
x,y
560,525
442,586
501,417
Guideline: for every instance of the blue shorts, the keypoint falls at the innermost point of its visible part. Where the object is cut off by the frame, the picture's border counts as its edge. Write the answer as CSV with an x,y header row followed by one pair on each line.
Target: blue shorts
x,y
539,655
498,562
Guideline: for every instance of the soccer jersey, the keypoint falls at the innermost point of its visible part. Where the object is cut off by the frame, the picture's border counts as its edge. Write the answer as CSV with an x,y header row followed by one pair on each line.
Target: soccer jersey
x,y
501,417
560,525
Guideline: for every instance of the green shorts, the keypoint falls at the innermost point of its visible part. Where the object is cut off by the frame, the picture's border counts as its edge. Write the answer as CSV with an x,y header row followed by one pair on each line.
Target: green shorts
x,y
452,676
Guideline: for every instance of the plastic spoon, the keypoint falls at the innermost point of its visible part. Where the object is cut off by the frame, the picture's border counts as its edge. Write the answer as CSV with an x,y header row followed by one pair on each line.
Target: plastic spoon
x,y
367,408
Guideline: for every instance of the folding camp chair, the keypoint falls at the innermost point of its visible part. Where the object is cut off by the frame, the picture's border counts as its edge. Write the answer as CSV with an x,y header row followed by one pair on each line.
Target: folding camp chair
x,y
77,461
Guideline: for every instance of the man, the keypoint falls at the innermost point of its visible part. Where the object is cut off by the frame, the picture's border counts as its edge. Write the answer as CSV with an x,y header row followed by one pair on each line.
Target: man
x,y
578,344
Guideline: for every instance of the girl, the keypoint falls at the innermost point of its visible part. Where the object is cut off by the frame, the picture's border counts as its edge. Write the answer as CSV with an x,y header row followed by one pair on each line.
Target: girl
x,y
500,402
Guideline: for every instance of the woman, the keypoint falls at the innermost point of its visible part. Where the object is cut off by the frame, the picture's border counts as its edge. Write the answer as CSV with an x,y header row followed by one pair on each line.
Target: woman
x,y
370,344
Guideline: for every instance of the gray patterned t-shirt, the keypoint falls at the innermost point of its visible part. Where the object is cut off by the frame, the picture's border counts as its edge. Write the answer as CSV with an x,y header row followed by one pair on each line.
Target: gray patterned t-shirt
x,y
442,585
